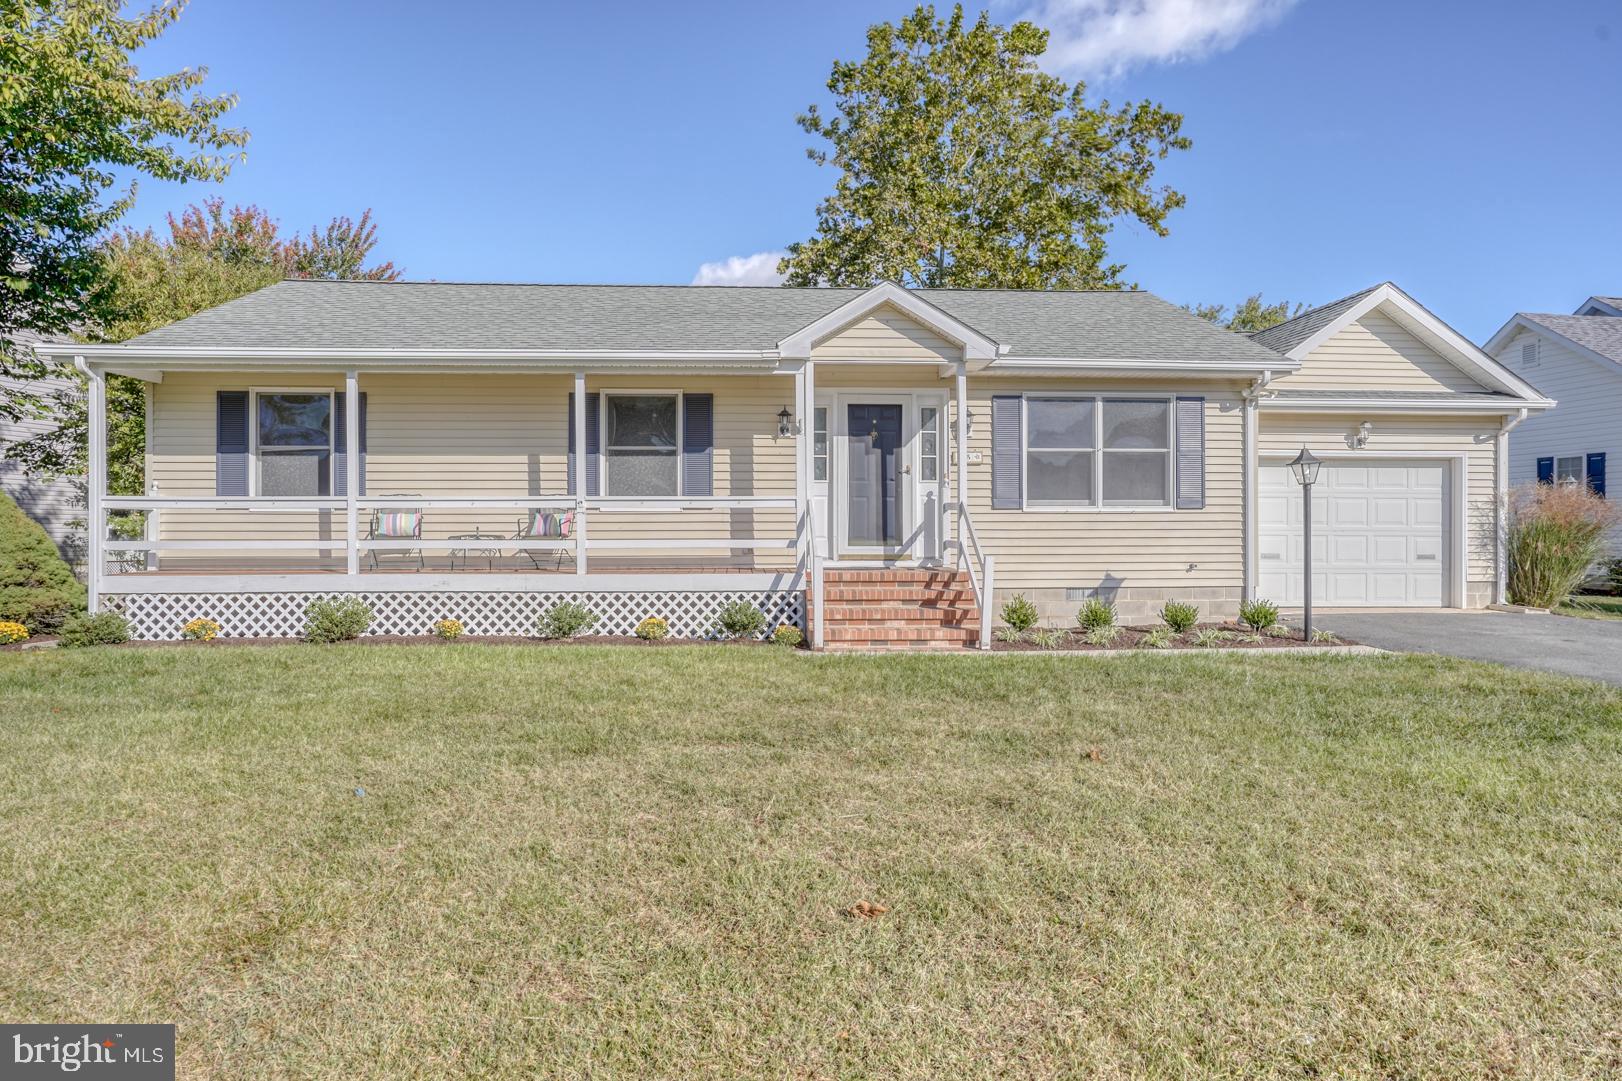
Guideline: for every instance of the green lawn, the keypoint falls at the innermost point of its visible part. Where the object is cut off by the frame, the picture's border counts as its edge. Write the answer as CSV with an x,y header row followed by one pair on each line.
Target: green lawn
x,y
637,863
1592,607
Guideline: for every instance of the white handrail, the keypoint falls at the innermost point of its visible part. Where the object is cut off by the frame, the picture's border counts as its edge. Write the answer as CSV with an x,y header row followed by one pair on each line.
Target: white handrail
x,y
982,596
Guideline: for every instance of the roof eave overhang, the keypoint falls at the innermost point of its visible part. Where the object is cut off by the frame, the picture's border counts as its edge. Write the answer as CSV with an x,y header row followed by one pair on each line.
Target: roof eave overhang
x,y
1375,405
1037,366
110,357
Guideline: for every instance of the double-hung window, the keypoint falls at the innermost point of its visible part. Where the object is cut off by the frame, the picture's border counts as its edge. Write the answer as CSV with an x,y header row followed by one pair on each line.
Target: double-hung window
x,y
1097,451
641,444
1569,470
294,443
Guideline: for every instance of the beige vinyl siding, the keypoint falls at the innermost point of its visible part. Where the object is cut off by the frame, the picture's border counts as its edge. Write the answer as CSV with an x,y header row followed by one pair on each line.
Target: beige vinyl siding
x,y
1283,435
886,334
1375,353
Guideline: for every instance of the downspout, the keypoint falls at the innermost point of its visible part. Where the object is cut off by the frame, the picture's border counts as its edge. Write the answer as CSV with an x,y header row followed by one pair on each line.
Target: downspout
x,y
1252,396
1501,517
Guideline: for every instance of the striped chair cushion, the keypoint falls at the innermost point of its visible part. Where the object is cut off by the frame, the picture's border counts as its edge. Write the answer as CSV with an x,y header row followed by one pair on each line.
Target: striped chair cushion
x,y
545,524
399,523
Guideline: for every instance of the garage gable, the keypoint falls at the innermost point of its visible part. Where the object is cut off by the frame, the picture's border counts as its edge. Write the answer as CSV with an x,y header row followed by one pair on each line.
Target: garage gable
x,y
1376,352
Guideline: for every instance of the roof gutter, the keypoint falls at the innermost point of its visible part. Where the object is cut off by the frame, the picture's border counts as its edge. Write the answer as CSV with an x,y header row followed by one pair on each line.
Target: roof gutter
x,y
1374,405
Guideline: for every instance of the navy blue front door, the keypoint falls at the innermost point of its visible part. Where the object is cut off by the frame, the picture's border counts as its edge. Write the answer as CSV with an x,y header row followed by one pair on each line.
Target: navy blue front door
x,y
873,461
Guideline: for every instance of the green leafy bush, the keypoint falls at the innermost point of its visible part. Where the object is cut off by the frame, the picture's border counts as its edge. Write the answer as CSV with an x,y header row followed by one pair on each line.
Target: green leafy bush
x,y
1159,638
101,629
565,620
1258,614
1180,617
1096,613
787,635
1020,614
1048,637
740,619
37,589
336,621
1102,636
1613,575
1554,536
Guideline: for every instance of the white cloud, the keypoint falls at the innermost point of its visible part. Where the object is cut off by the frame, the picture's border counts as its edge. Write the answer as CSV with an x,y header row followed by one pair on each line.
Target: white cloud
x,y
757,269
1107,37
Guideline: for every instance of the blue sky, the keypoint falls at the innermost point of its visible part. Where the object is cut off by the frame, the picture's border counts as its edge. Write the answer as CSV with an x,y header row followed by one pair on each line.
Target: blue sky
x,y
1465,150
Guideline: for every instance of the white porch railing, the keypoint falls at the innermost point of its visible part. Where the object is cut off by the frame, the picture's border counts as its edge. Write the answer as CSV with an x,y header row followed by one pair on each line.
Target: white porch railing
x,y
982,583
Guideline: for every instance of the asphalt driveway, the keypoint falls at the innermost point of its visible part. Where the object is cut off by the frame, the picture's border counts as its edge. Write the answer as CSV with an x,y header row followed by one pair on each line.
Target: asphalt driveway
x,y
1575,647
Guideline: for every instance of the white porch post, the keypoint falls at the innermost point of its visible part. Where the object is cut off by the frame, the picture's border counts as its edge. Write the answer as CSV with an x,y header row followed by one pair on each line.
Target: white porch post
x,y
961,394
802,456
351,471
813,561
580,457
96,482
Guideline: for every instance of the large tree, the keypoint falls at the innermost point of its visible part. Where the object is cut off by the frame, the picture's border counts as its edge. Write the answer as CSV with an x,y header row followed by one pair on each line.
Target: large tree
x,y
210,256
1250,315
73,108
964,164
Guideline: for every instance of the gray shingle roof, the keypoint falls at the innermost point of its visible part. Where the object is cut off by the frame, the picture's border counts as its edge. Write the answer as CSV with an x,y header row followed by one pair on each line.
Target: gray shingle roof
x,y
434,315
1601,333
1292,332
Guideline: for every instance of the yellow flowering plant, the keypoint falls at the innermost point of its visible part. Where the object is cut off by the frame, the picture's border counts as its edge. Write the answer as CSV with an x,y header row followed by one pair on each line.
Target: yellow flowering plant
x,y
652,629
200,630
12,632
448,628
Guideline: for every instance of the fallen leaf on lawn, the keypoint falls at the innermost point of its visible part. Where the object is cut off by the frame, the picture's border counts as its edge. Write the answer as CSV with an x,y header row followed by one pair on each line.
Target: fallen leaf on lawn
x,y
867,910
1096,754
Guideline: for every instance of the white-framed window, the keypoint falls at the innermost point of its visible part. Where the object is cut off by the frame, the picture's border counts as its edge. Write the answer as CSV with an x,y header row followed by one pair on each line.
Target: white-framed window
x,y
819,443
641,437
1097,451
929,443
1568,469
292,441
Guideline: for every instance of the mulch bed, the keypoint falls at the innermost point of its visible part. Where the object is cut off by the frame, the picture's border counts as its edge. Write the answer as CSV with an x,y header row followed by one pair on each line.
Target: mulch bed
x,y
36,642
1132,638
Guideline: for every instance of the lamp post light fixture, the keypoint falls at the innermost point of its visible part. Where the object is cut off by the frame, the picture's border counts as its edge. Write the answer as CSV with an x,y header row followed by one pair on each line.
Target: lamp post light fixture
x,y
1305,467
785,422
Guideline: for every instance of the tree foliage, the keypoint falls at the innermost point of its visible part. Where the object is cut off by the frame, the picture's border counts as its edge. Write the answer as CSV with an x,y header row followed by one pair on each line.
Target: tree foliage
x,y
73,108
963,164
1250,315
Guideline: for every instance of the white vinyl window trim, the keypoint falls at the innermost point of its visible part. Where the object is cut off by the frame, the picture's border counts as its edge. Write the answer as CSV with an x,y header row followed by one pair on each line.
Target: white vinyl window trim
x,y
605,448
1098,451
256,451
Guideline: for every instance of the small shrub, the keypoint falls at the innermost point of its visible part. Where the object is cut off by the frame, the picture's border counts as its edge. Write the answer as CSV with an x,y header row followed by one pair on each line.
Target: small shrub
x,y
1209,637
447,628
1102,636
1555,533
1009,634
12,632
1258,614
1020,614
37,589
565,620
1159,638
336,621
740,619
200,630
1180,617
1328,638
652,629
1048,637
101,629
787,635
1096,613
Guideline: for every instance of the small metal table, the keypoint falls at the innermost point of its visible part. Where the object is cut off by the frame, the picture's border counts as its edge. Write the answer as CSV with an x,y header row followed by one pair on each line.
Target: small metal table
x,y
466,550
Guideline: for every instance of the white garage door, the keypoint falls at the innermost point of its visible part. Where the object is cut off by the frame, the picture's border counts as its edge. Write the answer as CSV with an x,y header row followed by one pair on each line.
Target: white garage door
x,y
1379,534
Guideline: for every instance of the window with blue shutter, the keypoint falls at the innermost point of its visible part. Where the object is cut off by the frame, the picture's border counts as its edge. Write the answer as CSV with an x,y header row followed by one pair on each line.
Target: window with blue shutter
x,y
1596,473
698,445
231,443
1545,470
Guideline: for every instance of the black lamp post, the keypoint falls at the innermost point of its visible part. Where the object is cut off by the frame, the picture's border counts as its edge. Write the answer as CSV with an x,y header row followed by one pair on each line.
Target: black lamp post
x,y
1305,468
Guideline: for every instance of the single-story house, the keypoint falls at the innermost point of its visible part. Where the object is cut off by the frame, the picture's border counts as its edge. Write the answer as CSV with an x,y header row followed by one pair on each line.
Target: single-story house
x,y
883,465
1578,359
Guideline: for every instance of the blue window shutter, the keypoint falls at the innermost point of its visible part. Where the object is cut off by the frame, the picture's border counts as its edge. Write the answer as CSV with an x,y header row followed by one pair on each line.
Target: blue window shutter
x,y
1596,473
340,443
1190,453
594,449
1007,452
231,443
698,444
1545,470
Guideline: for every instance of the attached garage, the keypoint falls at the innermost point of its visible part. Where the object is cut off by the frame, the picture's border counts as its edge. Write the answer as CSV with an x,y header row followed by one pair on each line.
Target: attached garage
x,y
1381,530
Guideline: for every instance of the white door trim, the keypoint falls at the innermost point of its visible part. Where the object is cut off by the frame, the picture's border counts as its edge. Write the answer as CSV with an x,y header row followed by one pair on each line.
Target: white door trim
x,y
1458,501
911,490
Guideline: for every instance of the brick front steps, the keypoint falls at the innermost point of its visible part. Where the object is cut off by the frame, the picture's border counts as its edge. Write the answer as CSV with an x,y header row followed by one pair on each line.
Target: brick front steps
x,y
899,609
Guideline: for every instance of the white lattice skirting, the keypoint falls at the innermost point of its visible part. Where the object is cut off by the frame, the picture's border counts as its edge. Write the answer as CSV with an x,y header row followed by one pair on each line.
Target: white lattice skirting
x,y
159,616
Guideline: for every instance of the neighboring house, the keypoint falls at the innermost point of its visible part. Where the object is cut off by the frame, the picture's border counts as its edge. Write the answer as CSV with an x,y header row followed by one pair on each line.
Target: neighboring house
x,y
885,458
57,503
1577,359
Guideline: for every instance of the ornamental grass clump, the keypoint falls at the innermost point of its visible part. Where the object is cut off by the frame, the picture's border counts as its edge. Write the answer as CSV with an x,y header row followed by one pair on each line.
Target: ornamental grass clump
x,y
1096,613
1102,636
1180,617
1554,535
1209,637
1158,638
200,630
652,629
1049,637
447,629
1020,615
